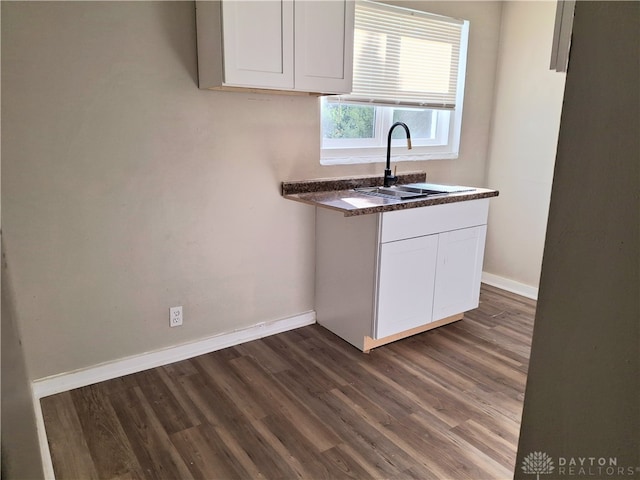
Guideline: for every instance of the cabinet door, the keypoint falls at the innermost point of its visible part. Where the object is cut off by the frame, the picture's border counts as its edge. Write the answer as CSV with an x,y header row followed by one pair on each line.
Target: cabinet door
x,y
458,271
405,284
258,43
324,46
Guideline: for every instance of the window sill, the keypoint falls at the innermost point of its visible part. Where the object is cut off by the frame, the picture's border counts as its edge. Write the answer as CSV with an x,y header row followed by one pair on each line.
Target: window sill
x,y
381,158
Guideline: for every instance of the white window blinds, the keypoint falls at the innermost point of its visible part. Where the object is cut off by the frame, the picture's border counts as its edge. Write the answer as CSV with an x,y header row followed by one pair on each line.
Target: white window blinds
x,y
405,57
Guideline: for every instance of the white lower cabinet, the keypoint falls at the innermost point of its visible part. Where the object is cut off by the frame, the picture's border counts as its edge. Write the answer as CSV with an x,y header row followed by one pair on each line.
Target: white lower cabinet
x,y
459,270
385,276
406,284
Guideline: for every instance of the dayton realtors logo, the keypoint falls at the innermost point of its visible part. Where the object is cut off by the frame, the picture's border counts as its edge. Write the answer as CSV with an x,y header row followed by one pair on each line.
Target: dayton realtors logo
x,y
539,463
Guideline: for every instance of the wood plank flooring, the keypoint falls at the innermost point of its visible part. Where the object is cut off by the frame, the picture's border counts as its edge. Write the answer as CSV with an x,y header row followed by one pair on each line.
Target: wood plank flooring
x,y
444,404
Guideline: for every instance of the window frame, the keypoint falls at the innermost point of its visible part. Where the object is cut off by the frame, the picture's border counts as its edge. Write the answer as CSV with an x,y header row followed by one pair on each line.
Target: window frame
x,y
445,146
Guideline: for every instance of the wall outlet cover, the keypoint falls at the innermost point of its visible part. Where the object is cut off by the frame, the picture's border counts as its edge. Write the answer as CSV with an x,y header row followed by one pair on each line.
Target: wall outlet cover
x,y
175,316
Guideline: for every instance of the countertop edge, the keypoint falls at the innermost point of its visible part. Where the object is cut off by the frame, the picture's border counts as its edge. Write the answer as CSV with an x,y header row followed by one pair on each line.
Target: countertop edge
x,y
335,200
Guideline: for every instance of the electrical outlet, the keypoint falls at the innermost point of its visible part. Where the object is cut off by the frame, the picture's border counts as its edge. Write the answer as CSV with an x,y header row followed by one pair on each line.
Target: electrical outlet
x,y
175,316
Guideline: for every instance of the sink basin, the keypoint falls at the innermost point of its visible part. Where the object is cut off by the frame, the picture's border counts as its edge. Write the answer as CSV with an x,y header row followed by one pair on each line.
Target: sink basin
x,y
400,192
391,192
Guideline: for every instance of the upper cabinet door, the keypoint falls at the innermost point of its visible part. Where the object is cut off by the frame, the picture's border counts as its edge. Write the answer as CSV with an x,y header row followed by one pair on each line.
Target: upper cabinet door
x,y
258,43
324,46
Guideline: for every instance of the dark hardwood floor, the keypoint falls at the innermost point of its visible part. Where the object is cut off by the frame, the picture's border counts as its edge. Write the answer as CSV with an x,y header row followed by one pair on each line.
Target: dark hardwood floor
x,y
444,404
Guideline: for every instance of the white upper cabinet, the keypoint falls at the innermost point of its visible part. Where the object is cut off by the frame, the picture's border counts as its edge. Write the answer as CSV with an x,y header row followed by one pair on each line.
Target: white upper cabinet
x,y
291,45
258,43
324,46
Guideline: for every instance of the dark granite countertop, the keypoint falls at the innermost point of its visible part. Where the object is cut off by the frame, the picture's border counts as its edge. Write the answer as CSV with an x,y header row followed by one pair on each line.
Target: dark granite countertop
x,y
338,194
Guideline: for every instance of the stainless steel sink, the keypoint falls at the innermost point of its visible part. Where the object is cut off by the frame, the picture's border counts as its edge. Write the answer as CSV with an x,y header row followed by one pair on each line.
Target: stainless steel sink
x,y
400,192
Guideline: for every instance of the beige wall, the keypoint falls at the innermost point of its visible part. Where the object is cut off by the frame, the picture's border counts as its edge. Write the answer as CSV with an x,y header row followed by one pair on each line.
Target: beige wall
x,y
583,387
126,190
524,135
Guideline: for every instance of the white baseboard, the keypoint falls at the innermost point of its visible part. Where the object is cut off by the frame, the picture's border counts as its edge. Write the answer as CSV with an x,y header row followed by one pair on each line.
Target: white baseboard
x,y
106,371
510,285
45,453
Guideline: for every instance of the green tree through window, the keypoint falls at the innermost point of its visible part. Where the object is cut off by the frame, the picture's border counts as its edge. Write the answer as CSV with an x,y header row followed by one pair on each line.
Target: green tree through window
x,y
348,121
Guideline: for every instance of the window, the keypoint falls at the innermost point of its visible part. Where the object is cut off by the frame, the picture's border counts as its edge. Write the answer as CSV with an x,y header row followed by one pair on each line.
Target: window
x,y
409,66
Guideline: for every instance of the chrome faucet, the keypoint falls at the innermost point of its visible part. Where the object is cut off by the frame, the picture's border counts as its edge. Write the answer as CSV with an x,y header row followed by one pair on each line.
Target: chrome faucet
x,y
389,178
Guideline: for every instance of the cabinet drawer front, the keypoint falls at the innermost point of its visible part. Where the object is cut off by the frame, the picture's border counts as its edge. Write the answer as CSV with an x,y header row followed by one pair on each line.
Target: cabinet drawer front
x,y
416,222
